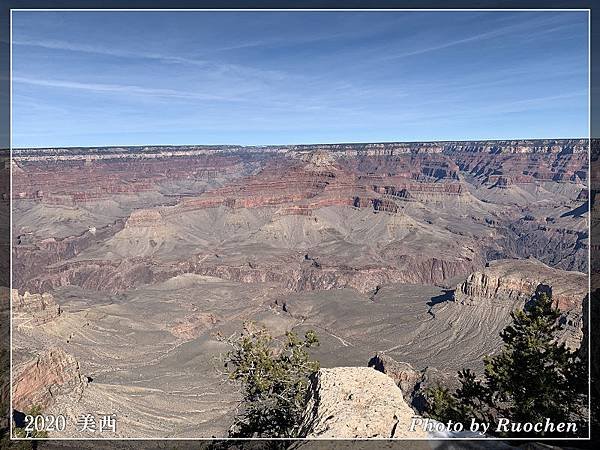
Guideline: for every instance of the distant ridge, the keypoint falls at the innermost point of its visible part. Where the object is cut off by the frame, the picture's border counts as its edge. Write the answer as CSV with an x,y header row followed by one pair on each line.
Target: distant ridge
x,y
566,145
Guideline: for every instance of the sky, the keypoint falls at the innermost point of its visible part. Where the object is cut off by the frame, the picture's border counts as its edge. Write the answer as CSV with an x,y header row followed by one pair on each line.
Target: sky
x,y
256,78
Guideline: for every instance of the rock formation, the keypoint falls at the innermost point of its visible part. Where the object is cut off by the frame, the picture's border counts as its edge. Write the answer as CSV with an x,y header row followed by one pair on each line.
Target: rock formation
x,y
357,402
413,383
144,218
173,185
518,280
48,376
34,309
513,283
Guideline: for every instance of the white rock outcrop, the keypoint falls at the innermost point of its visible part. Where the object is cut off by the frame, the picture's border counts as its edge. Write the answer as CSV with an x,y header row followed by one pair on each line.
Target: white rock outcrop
x,y
357,402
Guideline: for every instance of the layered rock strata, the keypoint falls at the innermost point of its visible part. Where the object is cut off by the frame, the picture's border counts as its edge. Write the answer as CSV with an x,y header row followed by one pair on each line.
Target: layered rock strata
x,y
35,309
513,283
48,376
518,280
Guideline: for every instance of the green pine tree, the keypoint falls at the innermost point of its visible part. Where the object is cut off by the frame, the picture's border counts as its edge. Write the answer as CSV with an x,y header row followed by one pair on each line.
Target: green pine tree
x,y
274,380
534,377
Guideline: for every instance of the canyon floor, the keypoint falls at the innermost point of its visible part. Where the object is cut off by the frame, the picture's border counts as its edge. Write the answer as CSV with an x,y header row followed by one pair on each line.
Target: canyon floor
x,y
129,263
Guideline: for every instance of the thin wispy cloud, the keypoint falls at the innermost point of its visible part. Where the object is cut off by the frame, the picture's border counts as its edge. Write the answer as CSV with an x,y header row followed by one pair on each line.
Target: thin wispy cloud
x,y
534,28
292,78
164,59
123,89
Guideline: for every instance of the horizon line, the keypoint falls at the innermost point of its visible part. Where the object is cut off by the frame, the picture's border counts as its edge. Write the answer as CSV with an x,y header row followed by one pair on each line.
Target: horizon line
x,y
302,144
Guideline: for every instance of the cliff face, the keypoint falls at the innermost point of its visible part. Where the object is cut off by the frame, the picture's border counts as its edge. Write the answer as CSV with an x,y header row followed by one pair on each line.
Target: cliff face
x,y
412,382
34,309
540,238
520,146
357,402
518,280
511,161
53,372
154,185
512,283
31,258
50,375
162,189
295,274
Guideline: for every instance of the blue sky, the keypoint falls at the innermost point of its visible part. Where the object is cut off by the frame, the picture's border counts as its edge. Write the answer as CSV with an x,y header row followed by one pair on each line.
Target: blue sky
x,y
135,78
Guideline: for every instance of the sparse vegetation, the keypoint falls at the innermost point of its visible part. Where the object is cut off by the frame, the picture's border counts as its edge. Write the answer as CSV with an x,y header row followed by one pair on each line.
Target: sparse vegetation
x,y
532,378
274,377
6,443
35,410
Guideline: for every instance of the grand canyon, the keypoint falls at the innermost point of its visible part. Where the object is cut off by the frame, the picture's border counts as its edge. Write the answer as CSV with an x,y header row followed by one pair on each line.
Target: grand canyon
x,y
129,262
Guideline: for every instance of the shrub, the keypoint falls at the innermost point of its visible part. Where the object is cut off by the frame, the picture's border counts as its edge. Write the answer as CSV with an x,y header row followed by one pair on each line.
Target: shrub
x,y
274,380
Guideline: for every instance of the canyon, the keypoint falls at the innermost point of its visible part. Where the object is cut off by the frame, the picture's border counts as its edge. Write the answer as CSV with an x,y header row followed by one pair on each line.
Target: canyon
x,y
129,262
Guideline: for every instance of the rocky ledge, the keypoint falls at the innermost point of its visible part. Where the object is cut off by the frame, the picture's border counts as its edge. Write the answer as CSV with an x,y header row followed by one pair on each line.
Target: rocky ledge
x,y
34,309
512,283
44,378
412,382
518,280
357,402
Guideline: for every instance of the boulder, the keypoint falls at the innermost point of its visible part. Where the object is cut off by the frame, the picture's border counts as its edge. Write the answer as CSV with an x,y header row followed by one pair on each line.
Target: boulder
x,y
357,402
